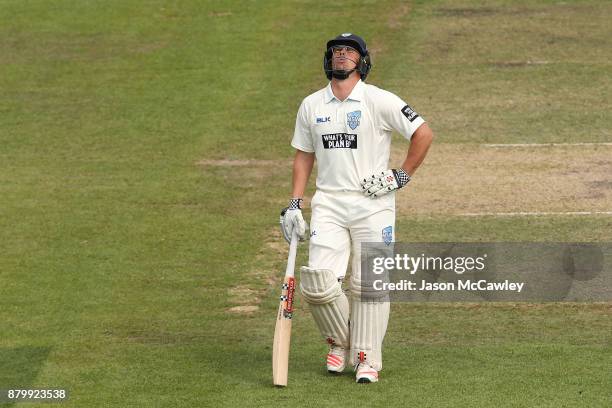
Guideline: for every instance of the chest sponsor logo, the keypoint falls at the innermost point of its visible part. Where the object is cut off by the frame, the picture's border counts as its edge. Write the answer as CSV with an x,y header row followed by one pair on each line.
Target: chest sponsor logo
x,y
323,119
353,118
339,141
409,113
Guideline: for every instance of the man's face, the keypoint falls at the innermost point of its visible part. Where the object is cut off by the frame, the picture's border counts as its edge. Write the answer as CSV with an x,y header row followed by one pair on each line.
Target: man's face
x,y
344,57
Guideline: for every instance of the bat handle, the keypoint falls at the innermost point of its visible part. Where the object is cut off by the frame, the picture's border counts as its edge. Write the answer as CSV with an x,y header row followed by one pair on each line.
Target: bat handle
x,y
290,272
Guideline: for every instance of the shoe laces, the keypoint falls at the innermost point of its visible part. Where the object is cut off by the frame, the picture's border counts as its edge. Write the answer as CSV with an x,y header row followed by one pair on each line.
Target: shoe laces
x,y
361,365
337,351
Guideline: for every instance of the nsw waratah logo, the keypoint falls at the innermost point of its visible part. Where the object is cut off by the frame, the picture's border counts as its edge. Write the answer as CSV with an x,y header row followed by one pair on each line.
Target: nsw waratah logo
x,y
387,234
353,118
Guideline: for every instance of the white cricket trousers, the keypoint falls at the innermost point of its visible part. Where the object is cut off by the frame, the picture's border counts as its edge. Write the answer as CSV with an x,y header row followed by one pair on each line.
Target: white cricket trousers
x,y
341,221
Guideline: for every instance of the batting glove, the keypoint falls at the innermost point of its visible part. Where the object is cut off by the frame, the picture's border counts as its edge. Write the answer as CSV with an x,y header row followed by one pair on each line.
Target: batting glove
x,y
290,218
385,182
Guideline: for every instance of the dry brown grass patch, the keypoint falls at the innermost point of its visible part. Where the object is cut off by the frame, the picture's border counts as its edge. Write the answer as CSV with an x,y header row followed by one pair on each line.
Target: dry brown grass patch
x,y
269,263
458,179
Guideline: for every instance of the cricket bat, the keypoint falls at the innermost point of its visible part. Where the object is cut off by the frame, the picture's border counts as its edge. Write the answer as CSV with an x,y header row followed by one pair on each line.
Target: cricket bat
x,y
282,332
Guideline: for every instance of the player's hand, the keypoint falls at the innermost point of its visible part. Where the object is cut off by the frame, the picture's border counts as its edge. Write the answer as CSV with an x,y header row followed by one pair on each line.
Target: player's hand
x,y
290,218
384,182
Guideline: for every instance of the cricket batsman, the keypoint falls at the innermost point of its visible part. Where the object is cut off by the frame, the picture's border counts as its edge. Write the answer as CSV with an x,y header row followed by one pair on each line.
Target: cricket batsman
x,y
347,128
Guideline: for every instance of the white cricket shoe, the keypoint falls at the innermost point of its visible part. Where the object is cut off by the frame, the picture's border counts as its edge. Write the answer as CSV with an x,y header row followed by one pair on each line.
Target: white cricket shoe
x,y
336,359
366,374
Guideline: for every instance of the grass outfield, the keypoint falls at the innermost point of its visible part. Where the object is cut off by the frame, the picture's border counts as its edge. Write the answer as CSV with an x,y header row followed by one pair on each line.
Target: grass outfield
x,y
144,157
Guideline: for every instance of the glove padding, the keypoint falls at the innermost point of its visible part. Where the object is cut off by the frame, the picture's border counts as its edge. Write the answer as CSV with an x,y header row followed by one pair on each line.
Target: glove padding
x,y
290,218
385,182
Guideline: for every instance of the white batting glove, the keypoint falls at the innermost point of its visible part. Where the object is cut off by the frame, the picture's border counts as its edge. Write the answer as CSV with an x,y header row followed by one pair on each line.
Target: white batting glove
x,y
290,218
385,182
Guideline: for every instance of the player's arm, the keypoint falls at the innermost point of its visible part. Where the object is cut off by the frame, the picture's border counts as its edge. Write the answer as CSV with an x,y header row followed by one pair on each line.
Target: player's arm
x,y
395,114
291,216
302,167
419,145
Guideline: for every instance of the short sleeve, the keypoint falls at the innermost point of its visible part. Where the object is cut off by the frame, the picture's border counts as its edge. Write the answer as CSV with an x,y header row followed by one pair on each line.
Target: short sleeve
x,y
302,140
397,114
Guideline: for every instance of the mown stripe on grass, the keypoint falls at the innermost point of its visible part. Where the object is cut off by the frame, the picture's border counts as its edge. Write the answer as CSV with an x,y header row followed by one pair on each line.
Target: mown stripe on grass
x,y
534,213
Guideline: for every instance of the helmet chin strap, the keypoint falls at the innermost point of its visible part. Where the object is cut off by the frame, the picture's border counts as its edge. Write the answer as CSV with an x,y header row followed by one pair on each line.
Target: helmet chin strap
x,y
342,74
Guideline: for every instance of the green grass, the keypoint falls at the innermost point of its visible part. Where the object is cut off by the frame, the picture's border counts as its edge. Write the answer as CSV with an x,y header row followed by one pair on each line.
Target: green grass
x,y
509,71
118,248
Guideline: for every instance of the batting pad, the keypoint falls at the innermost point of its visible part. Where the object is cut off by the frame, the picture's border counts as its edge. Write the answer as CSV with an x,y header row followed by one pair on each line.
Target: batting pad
x,y
369,318
328,304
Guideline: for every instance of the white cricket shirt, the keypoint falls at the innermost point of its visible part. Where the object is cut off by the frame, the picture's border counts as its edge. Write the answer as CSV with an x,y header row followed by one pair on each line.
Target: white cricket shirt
x,y
351,139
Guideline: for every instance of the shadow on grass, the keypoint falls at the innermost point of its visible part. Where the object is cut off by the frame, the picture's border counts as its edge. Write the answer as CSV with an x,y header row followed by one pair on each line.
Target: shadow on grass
x,y
251,366
20,366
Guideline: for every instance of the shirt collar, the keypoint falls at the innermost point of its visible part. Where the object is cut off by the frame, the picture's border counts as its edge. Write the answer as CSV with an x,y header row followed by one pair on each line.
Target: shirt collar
x,y
355,95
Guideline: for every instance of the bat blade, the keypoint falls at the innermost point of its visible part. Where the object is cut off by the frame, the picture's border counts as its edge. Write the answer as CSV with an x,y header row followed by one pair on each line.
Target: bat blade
x,y
282,331
282,335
